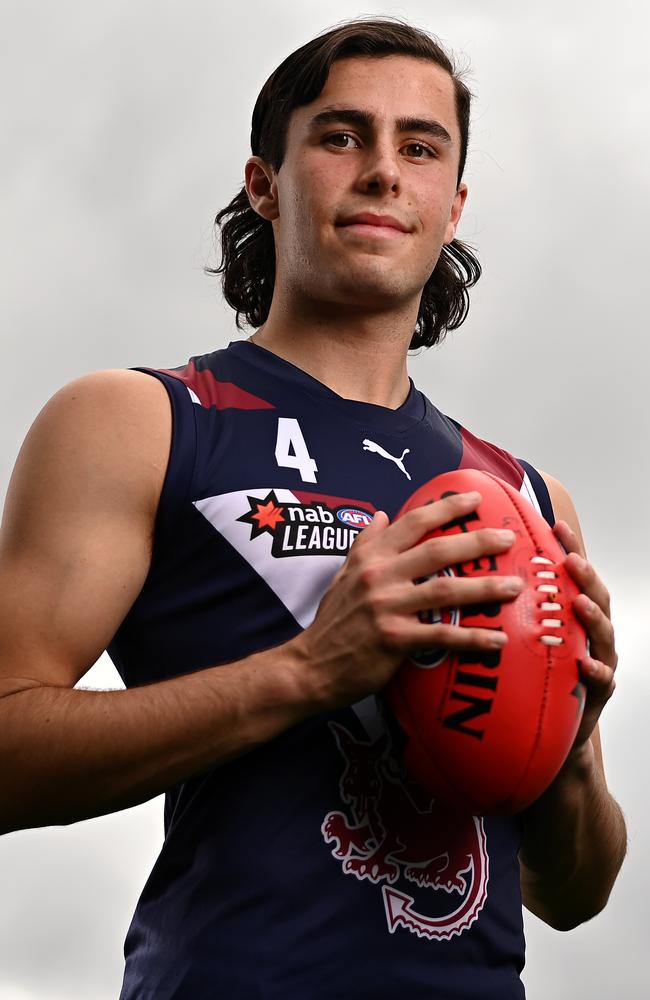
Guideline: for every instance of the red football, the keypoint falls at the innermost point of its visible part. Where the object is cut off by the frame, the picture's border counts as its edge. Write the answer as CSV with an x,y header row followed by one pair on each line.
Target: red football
x,y
487,731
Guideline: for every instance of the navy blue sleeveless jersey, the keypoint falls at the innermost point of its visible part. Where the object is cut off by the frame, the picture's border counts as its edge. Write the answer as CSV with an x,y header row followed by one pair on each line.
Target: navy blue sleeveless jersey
x,y
308,868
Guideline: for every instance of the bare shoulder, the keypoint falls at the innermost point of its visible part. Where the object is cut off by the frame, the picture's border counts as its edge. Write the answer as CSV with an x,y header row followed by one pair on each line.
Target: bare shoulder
x,y
125,411
114,395
77,529
112,425
563,506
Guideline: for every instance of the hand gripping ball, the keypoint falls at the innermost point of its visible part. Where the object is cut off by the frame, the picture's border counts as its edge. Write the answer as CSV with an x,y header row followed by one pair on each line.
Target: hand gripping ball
x,y
487,731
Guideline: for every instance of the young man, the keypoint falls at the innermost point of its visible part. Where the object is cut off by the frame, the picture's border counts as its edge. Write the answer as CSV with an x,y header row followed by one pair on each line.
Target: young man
x,y
197,522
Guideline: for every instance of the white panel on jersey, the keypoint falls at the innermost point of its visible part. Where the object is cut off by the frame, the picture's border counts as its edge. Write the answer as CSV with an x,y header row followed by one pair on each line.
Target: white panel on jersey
x,y
527,490
370,716
299,581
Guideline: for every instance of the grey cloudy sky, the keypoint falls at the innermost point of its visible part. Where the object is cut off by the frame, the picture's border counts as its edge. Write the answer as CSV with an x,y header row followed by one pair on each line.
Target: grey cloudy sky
x,y
124,129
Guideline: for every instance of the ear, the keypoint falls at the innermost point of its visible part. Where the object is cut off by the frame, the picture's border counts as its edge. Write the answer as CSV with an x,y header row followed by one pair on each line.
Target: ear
x,y
341,735
456,212
262,188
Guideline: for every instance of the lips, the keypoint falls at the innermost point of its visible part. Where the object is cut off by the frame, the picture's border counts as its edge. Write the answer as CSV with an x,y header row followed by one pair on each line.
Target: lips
x,y
375,221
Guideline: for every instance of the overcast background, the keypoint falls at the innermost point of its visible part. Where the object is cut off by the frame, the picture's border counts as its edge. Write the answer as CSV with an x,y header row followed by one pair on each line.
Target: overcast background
x,y
124,129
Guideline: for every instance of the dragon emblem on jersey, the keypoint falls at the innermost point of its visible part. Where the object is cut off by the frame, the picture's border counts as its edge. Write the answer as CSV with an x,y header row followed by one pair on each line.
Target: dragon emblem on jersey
x,y
392,835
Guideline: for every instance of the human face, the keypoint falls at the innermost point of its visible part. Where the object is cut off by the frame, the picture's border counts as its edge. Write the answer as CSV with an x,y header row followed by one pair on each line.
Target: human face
x,y
367,194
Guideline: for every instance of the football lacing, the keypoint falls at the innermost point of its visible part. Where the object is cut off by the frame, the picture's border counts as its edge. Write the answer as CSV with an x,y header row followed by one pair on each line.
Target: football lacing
x,y
552,605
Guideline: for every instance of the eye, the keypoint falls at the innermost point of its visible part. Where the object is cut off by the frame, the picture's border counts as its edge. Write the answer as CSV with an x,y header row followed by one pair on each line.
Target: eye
x,y
341,140
418,150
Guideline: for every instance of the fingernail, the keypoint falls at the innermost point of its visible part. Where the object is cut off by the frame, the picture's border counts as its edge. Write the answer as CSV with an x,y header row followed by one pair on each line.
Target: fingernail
x,y
505,535
499,639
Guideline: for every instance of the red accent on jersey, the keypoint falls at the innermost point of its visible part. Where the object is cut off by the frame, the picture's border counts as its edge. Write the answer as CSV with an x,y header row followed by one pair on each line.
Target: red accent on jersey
x,y
479,454
303,496
223,395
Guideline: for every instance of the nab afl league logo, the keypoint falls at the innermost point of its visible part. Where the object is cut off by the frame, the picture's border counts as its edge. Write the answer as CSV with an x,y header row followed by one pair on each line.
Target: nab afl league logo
x,y
429,658
355,518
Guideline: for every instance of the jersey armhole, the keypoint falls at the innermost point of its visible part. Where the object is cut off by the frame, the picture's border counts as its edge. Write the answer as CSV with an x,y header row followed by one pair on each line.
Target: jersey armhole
x,y
534,482
179,476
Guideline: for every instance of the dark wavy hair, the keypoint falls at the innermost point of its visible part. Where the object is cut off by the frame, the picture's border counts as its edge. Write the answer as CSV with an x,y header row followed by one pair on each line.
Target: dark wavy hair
x,y
247,245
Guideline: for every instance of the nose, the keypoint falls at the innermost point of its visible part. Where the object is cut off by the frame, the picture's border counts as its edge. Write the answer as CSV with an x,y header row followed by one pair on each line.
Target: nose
x,y
381,171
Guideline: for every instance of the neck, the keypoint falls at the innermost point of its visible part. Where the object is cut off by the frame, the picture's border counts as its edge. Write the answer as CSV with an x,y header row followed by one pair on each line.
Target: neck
x,y
358,355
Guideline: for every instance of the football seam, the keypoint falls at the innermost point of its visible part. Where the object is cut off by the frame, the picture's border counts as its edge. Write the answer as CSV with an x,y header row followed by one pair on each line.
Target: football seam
x,y
534,762
549,665
538,734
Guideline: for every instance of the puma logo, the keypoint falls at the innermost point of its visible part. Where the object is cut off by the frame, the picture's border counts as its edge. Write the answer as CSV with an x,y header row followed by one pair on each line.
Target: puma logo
x,y
369,445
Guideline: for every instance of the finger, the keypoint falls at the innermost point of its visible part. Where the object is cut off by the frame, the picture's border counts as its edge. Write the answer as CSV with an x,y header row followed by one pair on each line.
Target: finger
x,y
589,582
408,634
567,536
600,683
450,592
598,675
600,630
434,554
374,529
416,523
452,637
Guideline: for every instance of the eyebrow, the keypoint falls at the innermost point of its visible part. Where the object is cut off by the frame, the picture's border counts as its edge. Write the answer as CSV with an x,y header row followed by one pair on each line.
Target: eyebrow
x,y
366,119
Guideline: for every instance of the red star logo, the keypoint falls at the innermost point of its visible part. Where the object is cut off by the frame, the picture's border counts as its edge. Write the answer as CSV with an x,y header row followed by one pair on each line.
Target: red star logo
x,y
264,515
267,515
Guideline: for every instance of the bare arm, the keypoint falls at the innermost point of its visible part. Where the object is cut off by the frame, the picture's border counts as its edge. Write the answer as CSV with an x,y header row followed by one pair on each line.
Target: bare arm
x,y
574,837
75,549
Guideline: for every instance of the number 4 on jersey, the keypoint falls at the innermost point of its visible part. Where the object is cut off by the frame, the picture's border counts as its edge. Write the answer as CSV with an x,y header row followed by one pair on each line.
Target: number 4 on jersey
x,y
291,450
